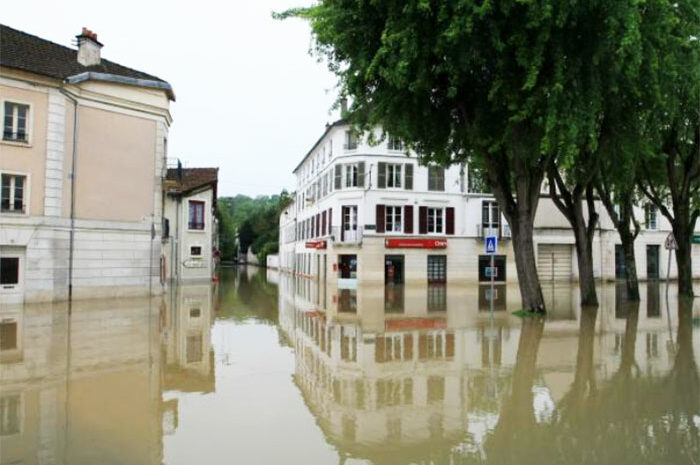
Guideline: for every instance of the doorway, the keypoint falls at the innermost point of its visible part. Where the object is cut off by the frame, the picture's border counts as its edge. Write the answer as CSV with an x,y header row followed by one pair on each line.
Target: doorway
x,y
652,262
393,269
620,271
348,266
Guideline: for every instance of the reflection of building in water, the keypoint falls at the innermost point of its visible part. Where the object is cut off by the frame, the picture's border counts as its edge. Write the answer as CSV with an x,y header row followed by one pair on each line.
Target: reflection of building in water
x,y
392,385
189,356
83,388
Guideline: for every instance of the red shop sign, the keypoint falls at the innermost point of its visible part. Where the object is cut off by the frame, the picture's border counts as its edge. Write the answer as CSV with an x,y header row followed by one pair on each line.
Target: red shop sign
x,y
316,245
415,243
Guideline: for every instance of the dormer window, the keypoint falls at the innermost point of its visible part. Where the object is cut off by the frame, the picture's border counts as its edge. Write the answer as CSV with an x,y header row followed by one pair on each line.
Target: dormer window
x,y
16,122
350,140
394,143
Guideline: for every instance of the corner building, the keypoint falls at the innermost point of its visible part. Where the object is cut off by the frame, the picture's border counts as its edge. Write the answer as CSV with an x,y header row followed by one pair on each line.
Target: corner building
x,y
371,213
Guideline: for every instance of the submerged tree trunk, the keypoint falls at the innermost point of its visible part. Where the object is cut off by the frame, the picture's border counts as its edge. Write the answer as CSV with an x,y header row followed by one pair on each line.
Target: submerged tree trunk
x,y
570,203
631,279
627,228
516,187
684,264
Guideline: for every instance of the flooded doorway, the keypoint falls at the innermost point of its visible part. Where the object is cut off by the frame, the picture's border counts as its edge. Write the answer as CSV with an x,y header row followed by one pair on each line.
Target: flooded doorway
x,y
652,261
393,269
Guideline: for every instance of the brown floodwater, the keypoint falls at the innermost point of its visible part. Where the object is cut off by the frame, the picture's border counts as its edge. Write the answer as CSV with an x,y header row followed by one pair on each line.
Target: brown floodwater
x,y
266,369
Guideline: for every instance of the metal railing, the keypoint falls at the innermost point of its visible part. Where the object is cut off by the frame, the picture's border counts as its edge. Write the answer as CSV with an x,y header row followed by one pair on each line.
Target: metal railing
x,y
347,236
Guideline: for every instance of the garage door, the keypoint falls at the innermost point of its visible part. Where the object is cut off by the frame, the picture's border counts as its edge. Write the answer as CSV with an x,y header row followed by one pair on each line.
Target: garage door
x,y
554,262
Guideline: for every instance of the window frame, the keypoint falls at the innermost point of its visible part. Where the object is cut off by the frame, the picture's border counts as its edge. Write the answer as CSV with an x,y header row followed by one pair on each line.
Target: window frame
x,y
651,218
393,218
352,171
434,222
433,178
26,192
29,122
351,141
201,251
394,144
203,203
397,174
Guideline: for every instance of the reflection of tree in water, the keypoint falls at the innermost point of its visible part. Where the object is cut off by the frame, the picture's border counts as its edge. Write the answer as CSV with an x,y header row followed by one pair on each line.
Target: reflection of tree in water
x,y
243,297
629,419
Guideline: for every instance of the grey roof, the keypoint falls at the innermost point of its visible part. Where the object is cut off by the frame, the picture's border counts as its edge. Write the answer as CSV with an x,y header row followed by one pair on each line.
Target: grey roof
x,y
26,52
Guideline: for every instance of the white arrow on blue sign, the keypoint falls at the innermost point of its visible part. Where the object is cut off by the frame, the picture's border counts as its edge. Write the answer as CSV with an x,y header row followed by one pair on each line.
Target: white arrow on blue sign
x,y
491,245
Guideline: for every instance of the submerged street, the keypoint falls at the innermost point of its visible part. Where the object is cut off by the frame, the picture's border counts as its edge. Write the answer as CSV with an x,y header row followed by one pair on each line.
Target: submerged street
x,y
263,368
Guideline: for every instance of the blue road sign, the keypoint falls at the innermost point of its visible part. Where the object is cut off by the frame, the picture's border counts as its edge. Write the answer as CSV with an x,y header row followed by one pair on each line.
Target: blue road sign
x,y
491,245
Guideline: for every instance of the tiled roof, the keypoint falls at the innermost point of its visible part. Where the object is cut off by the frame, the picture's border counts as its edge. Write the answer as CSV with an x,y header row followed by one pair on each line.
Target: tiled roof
x,y
191,178
33,54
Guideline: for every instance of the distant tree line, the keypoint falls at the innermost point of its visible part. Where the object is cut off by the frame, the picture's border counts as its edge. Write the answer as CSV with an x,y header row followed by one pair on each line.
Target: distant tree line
x,y
246,222
600,99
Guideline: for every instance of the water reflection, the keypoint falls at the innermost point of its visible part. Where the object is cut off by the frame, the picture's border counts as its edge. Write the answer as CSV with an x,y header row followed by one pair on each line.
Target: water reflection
x,y
265,368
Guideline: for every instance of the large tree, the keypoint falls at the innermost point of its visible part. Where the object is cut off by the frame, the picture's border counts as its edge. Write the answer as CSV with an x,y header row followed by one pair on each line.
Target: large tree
x,y
671,174
496,81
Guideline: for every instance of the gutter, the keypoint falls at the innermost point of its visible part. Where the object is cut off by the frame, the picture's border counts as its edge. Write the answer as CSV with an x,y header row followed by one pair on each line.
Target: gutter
x,y
129,81
74,158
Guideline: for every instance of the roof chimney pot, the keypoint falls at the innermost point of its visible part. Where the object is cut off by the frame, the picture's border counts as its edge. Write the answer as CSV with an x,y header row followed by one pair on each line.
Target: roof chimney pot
x,y
88,48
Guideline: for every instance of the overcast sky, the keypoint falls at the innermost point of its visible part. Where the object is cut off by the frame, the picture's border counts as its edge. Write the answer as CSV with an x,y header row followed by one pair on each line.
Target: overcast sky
x,y
250,99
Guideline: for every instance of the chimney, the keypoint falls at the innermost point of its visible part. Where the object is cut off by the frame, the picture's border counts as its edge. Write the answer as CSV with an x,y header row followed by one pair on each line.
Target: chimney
x,y
88,48
343,107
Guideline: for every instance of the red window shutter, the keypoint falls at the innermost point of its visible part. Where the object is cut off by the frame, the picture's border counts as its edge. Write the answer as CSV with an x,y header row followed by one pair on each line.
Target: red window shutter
x,y
380,218
422,220
323,223
450,221
408,219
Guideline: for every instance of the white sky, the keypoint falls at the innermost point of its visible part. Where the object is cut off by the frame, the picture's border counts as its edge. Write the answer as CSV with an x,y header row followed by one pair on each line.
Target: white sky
x,y
250,99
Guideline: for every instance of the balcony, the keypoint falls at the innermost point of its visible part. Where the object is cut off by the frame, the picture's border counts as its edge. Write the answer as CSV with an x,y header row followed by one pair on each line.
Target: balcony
x,y
347,237
502,230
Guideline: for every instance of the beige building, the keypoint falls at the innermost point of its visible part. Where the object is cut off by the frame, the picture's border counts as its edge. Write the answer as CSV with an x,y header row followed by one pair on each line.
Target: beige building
x,y
190,249
81,161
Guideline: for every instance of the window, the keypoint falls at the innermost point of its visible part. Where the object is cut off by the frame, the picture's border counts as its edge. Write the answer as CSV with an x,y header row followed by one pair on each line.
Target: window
x,y
12,189
437,268
350,141
196,218
196,251
435,220
16,122
490,215
394,143
10,415
436,178
393,175
650,216
393,219
194,348
9,271
195,312
351,175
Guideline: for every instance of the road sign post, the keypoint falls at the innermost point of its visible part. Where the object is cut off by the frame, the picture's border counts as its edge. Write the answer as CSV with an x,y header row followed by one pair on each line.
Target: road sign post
x,y
491,246
670,245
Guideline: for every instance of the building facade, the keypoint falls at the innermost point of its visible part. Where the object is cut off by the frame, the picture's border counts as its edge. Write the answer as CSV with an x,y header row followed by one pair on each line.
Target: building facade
x,y
190,249
371,212
82,161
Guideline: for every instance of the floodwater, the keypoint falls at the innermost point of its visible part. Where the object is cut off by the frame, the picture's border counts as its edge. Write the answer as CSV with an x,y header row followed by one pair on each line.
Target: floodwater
x,y
266,369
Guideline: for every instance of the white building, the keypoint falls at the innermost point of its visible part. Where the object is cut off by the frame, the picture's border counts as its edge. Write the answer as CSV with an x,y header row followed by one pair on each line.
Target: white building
x,y
371,212
190,227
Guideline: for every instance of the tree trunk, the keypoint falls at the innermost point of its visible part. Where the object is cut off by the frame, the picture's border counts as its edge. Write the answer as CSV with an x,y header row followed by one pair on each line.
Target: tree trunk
x,y
683,259
526,265
631,279
584,257
516,187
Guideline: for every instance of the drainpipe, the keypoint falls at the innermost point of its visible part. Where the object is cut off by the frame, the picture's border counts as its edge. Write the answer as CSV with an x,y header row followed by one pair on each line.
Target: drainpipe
x,y
74,158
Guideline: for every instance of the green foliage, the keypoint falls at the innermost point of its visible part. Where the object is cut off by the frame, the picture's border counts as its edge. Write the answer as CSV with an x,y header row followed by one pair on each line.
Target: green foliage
x,y
245,223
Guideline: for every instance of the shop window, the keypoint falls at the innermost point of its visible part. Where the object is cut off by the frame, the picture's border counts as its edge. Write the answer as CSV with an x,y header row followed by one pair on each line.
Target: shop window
x,y
9,271
437,269
499,271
